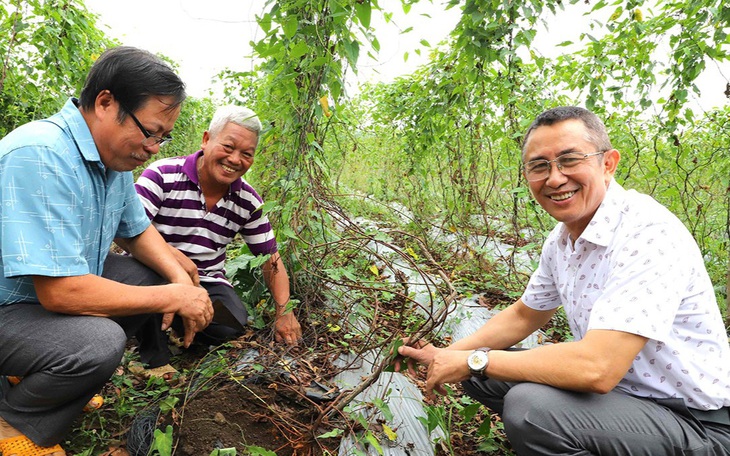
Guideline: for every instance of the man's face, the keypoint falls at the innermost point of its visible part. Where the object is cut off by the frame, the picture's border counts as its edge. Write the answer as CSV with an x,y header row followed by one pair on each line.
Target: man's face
x,y
228,155
122,149
572,199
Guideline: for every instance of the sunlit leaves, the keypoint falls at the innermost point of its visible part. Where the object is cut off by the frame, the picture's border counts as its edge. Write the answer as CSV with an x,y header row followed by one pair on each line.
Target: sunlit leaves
x,y
363,12
352,50
299,49
290,25
46,49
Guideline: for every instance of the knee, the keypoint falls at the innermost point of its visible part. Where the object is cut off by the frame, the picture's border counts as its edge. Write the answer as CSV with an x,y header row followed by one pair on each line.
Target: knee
x,y
489,392
528,404
102,344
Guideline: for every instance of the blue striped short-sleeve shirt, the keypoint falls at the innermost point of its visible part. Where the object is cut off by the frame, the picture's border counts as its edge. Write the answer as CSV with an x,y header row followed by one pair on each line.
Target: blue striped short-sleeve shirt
x,y
60,208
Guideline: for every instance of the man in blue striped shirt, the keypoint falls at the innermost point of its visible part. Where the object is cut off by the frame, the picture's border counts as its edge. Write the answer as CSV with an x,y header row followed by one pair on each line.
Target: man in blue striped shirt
x,y
66,191
200,202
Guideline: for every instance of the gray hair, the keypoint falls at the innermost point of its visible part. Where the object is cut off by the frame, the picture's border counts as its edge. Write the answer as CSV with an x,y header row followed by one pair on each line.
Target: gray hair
x,y
596,133
239,115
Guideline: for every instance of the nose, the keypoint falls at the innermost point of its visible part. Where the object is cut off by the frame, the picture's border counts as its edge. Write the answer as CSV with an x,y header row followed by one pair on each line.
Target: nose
x,y
153,149
556,177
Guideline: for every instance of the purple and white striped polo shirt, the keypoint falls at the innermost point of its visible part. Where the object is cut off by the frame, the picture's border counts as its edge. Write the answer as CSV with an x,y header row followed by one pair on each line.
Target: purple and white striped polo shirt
x,y
171,195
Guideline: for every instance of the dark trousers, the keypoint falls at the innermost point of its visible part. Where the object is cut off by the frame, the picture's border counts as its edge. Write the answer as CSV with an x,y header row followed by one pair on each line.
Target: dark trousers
x,y
228,323
152,341
542,420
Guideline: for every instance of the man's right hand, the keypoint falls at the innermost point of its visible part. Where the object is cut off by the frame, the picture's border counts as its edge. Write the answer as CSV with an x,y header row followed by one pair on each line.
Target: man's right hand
x,y
195,309
444,366
419,352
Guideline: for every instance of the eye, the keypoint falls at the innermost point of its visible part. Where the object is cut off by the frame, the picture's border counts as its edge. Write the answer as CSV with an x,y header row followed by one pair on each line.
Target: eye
x,y
570,160
536,166
227,147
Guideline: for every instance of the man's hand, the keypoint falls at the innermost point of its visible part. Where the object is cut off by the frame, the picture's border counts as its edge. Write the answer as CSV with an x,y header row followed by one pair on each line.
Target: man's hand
x,y
287,329
187,264
423,354
444,366
195,309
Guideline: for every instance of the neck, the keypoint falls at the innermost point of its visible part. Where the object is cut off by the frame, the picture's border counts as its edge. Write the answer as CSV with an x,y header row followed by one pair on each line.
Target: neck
x,y
209,187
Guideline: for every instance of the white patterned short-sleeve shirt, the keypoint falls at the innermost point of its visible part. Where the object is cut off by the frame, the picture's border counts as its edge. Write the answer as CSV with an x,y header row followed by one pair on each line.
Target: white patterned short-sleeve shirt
x,y
637,269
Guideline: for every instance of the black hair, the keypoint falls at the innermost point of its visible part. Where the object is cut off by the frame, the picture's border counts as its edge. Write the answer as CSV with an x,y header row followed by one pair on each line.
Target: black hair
x,y
132,75
595,129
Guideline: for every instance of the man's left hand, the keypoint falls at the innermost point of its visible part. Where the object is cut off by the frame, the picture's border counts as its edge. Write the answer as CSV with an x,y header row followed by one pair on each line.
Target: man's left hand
x,y
287,329
191,269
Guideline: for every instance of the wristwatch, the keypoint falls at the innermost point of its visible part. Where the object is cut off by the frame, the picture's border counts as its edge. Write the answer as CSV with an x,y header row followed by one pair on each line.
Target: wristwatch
x,y
478,361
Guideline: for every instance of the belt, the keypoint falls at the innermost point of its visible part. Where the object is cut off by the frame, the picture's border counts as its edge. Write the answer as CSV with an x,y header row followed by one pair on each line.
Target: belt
x,y
719,416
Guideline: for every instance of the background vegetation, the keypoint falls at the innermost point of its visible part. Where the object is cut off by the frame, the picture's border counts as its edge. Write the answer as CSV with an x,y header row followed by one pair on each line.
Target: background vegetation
x,y
431,160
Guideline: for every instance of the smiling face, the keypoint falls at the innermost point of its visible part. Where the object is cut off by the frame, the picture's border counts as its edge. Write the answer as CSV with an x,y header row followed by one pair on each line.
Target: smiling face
x,y
572,199
226,156
120,144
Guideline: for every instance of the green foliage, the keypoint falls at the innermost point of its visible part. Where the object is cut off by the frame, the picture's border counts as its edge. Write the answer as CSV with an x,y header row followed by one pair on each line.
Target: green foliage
x,y
244,273
162,443
46,49
254,450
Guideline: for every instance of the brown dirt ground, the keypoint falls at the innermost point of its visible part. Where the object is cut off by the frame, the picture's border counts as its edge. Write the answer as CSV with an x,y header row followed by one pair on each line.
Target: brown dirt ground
x,y
261,411
236,416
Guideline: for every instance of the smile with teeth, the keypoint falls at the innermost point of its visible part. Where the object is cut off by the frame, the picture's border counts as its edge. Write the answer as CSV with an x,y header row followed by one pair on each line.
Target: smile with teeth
x,y
562,196
228,169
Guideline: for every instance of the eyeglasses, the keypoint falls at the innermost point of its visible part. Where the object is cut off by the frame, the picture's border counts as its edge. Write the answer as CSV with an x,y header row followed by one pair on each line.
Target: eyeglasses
x,y
149,139
567,164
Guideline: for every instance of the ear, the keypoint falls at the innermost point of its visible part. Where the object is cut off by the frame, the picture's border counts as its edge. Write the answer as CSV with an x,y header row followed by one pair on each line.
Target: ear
x,y
610,163
105,104
206,138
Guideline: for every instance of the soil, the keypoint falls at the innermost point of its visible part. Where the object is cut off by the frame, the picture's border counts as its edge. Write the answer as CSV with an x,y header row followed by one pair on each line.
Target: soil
x,y
237,416
262,407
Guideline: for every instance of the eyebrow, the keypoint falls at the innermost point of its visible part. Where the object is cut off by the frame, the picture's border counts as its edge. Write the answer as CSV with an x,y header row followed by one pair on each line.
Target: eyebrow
x,y
570,150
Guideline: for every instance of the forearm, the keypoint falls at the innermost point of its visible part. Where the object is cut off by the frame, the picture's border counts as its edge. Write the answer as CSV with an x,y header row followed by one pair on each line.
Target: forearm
x,y
277,280
505,329
561,365
596,363
94,295
150,249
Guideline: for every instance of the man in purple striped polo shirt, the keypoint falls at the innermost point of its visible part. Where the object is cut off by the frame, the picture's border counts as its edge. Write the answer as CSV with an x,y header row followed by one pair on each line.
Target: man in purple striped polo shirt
x,y
200,202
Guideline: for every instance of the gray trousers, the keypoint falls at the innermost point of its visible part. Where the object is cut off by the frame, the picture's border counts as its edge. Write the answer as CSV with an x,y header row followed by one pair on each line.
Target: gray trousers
x,y
65,359
541,420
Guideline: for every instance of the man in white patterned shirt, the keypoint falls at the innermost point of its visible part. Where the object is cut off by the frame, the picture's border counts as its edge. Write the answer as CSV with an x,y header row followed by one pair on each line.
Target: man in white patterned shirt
x,y
648,371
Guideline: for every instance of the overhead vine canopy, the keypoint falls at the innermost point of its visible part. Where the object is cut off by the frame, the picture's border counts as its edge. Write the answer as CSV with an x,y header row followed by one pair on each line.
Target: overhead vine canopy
x,y
446,135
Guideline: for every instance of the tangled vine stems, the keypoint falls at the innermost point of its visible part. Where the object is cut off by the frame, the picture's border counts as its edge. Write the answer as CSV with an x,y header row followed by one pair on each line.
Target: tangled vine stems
x,y
356,240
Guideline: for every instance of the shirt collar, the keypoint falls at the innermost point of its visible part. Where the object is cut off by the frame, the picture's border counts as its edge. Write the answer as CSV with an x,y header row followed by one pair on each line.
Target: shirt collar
x,y
70,115
607,217
190,167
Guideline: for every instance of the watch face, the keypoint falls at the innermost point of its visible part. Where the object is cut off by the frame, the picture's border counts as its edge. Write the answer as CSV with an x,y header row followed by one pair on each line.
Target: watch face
x,y
477,360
